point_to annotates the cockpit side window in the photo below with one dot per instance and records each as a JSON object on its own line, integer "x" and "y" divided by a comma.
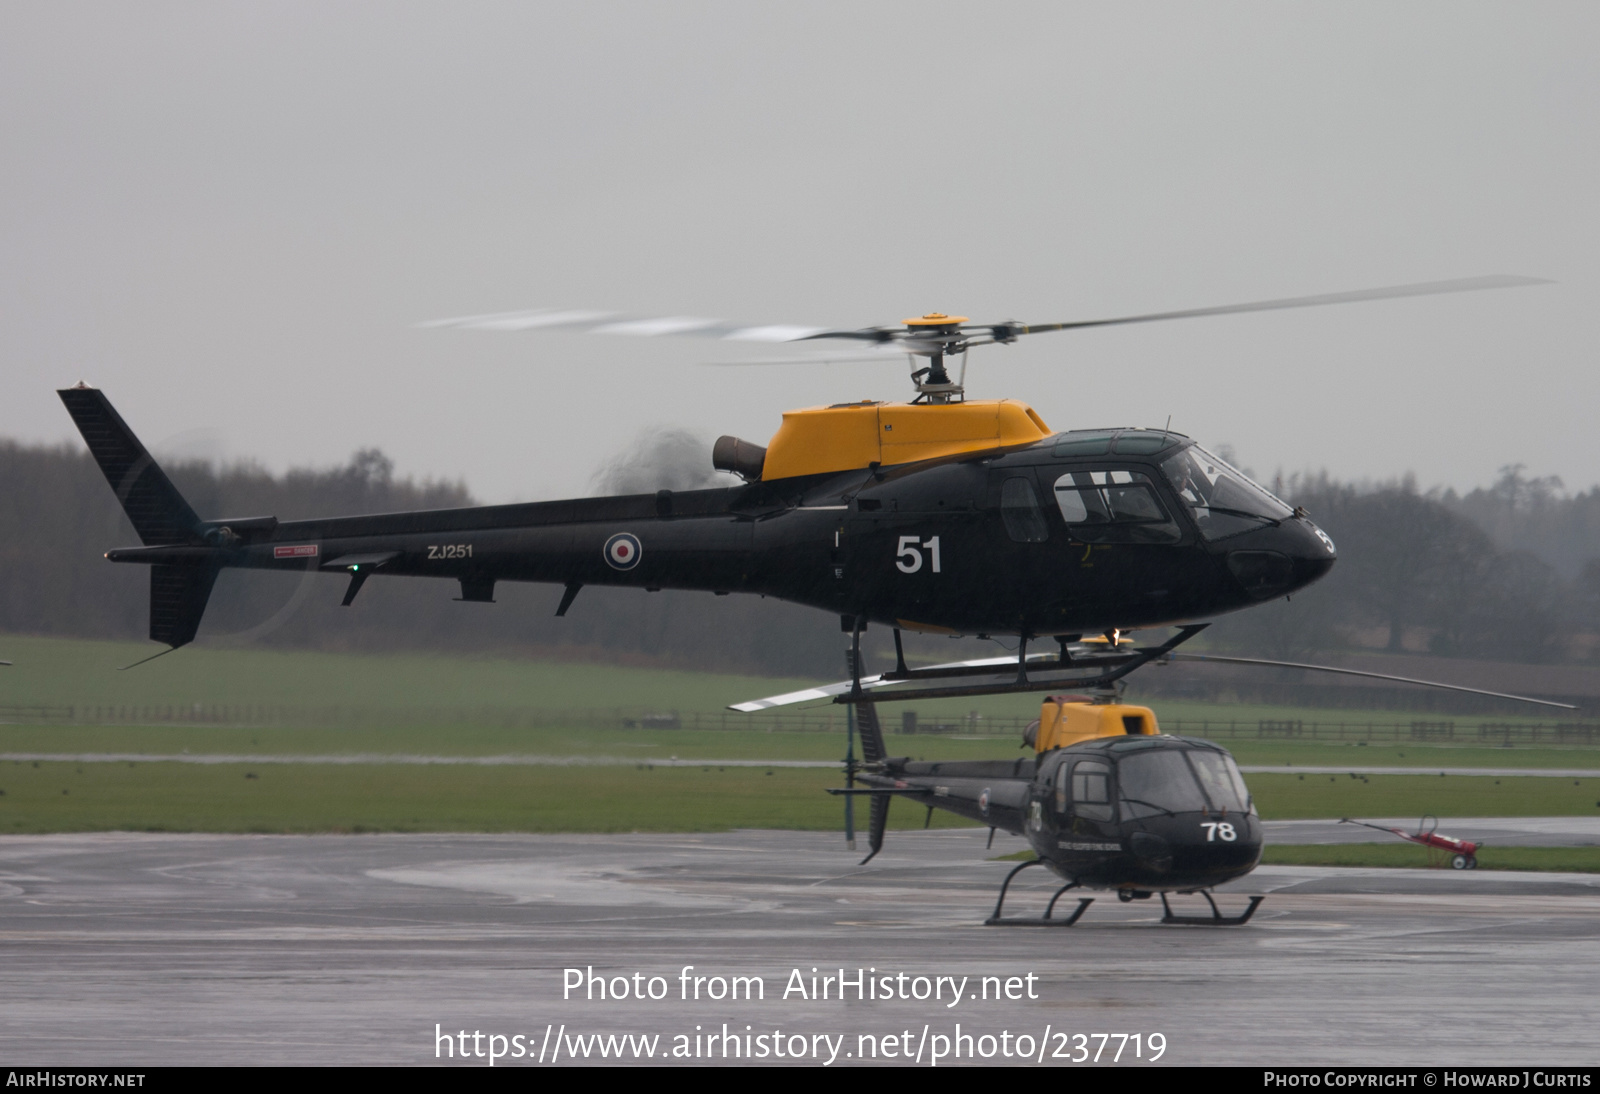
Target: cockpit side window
{"x": 1019, "y": 508}
{"x": 1222, "y": 499}
{"x": 1113, "y": 506}
{"x": 1091, "y": 790}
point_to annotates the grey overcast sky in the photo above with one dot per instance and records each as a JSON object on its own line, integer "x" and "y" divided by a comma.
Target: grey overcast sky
{"x": 231, "y": 215}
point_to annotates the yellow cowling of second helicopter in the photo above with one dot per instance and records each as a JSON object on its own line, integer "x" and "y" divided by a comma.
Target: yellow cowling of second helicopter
{"x": 857, "y": 435}
{"x": 1067, "y": 723}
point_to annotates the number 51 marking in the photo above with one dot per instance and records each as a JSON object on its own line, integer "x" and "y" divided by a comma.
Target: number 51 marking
{"x": 908, "y": 559}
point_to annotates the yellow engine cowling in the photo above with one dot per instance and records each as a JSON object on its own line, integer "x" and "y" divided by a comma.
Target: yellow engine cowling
{"x": 1066, "y": 720}
{"x": 855, "y": 435}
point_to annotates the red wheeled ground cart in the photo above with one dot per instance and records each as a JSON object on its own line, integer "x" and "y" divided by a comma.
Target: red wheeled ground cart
{"x": 1459, "y": 853}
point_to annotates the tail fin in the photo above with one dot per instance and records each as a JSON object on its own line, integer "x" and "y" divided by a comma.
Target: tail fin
{"x": 880, "y": 821}
{"x": 873, "y": 750}
{"x": 158, "y": 512}
{"x": 178, "y": 596}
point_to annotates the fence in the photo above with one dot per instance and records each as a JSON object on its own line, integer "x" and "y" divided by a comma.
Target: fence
{"x": 827, "y": 720}
{"x": 1506, "y": 734}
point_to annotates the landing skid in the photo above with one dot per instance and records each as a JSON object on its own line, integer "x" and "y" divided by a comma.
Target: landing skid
{"x": 995, "y": 920}
{"x": 1216, "y": 919}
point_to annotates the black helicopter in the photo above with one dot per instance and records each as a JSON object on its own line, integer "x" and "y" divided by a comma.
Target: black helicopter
{"x": 1105, "y": 800}
{"x": 941, "y": 515}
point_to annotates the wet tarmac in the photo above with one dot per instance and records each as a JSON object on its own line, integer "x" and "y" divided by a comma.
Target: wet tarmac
{"x": 131, "y": 950}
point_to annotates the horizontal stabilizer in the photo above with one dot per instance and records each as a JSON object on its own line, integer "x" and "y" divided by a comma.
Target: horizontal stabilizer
{"x": 156, "y": 509}
{"x": 370, "y": 561}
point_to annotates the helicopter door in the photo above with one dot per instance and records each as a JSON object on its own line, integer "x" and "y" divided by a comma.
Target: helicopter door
{"x": 1020, "y": 510}
{"x": 1019, "y": 542}
{"x": 1090, "y": 791}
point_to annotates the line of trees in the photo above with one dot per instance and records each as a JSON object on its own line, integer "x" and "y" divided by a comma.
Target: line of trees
{"x": 1507, "y": 572}
{"x": 58, "y": 517}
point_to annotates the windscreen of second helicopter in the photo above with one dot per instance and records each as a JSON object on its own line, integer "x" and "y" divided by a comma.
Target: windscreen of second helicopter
{"x": 1157, "y": 782}
{"x": 1165, "y": 781}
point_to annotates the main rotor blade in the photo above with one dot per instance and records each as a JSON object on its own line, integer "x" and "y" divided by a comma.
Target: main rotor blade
{"x": 1357, "y": 672}
{"x": 1001, "y": 666}
{"x": 1421, "y": 288}
{"x": 605, "y": 322}
{"x": 901, "y": 340}
{"x": 825, "y": 691}
{"x": 844, "y": 356}
{"x": 828, "y": 691}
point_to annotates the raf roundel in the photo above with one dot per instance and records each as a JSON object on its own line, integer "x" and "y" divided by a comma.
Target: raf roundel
{"x": 622, "y": 551}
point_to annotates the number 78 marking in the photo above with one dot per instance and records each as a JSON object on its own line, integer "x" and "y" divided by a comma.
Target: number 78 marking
{"x": 908, "y": 558}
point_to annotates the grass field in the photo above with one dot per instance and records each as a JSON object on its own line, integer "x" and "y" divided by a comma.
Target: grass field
{"x": 390, "y": 797}
{"x": 85, "y": 673}
{"x": 1293, "y": 797}
{"x": 649, "y": 744}
{"x": 170, "y": 797}
{"x": 60, "y": 671}
{"x": 471, "y": 706}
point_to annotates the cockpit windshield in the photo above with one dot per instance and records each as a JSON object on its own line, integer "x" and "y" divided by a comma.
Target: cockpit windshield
{"x": 1157, "y": 783}
{"x": 1222, "y": 498}
{"x": 1161, "y": 782}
